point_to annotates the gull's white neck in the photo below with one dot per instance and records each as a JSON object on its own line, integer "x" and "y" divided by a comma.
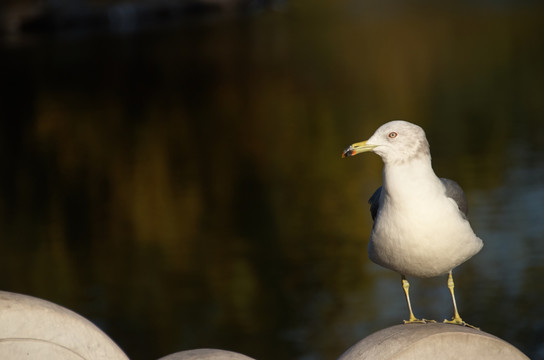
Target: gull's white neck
{"x": 411, "y": 179}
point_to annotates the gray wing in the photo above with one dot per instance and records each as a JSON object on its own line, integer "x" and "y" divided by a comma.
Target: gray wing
{"x": 374, "y": 202}
{"x": 454, "y": 191}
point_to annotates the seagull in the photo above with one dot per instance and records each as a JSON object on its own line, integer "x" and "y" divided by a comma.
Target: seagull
{"x": 420, "y": 220}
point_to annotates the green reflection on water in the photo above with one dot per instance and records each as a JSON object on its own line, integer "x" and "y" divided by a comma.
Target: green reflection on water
{"x": 184, "y": 188}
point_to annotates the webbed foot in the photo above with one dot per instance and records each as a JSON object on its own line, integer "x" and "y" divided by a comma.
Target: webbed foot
{"x": 418, "y": 321}
{"x": 459, "y": 321}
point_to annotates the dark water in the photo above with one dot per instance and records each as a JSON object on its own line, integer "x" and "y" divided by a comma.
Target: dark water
{"x": 183, "y": 187}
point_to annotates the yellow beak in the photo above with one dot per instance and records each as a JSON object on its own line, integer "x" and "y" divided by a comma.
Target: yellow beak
{"x": 357, "y": 148}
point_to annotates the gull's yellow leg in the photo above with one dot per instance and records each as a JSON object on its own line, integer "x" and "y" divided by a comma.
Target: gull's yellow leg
{"x": 456, "y": 318}
{"x": 413, "y": 319}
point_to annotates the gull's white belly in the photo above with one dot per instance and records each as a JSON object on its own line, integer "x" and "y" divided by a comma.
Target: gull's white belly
{"x": 422, "y": 242}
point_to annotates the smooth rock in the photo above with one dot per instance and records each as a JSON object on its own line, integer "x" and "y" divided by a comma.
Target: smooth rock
{"x": 206, "y": 354}
{"x": 432, "y": 341}
{"x": 32, "y": 328}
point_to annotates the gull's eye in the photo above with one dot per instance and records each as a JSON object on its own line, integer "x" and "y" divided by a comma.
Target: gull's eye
{"x": 392, "y": 135}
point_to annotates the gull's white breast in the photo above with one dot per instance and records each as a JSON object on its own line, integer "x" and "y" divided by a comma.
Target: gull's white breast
{"x": 421, "y": 232}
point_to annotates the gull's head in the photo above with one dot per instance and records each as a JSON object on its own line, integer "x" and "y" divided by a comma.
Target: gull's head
{"x": 396, "y": 142}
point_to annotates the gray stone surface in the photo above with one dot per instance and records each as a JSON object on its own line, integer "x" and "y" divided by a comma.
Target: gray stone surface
{"x": 206, "y": 354}
{"x": 32, "y": 328}
{"x": 432, "y": 341}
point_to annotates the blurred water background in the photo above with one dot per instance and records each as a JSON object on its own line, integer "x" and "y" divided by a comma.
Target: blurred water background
{"x": 177, "y": 180}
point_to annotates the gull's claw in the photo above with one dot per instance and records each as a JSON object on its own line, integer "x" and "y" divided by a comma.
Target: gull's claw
{"x": 459, "y": 321}
{"x": 418, "y": 321}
